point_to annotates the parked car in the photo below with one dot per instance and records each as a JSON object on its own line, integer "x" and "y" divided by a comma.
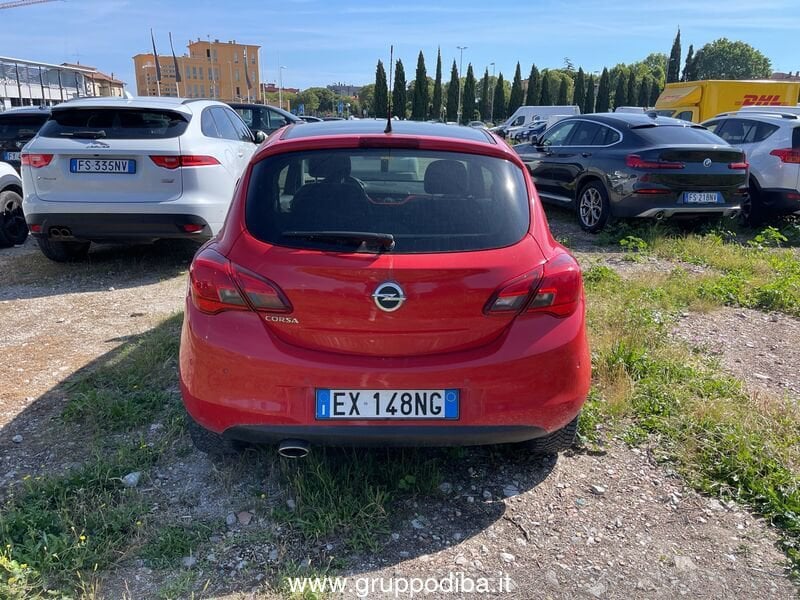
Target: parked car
{"x": 260, "y": 117}
{"x": 535, "y": 128}
{"x": 374, "y": 289}
{"x": 310, "y": 119}
{"x": 118, "y": 170}
{"x": 478, "y": 124}
{"x": 13, "y": 230}
{"x": 635, "y": 165}
{"x": 771, "y": 140}
{"x": 17, "y": 127}
{"x": 525, "y": 115}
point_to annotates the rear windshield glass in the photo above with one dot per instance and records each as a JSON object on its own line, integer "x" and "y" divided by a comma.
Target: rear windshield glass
{"x": 22, "y": 127}
{"x": 675, "y": 134}
{"x": 115, "y": 123}
{"x": 426, "y": 201}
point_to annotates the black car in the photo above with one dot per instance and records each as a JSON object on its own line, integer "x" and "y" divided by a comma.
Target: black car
{"x": 17, "y": 127}
{"x": 635, "y": 165}
{"x": 260, "y": 117}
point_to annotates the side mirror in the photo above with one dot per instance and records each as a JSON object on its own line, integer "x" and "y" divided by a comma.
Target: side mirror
{"x": 534, "y": 140}
{"x": 259, "y": 136}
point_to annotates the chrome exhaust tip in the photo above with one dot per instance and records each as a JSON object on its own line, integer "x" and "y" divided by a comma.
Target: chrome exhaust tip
{"x": 293, "y": 449}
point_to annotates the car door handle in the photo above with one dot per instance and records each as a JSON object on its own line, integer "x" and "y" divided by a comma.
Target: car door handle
{"x": 586, "y": 154}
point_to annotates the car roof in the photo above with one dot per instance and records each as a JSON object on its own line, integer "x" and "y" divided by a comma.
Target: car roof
{"x": 789, "y": 118}
{"x": 256, "y": 105}
{"x": 155, "y": 102}
{"x": 630, "y": 120}
{"x": 27, "y": 110}
{"x": 378, "y": 126}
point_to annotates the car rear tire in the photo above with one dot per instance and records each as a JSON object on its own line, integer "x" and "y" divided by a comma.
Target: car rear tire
{"x": 555, "y": 442}
{"x": 212, "y": 443}
{"x": 63, "y": 251}
{"x": 752, "y": 213}
{"x": 13, "y": 229}
{"x": 592, "y": 207}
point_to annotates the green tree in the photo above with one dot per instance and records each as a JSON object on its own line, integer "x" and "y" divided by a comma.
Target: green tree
{"x": 310, "y": 101}
{"x": 515, "y": 100}
{"x": 366, "y": 98}
{"x": 399, "y": 91}
{"x": 499, "y": 101}
{"x": 545, "y": 98}
{"x": 588, "y": 105}
{"x": 688, "y": 65}
{"x": 726, "y": 59}
{"x": 563, "y": 91}
{"x": 419, "y": 103}
{"x": 644, "y": 92}
{"x": 655, "y": 92}
{"x": 631, "y": 96}
{"x": 621, "y": 93}
{"x": 674, "y": 65}
{"x": 579, "y": 95}
{"x": 534, "y": 91}
{"x": 468, "y": 100}
{"x": 603, "y": 103}
{"x": 436, "y": 104}
{"x": 485, "y": 102}
{"x": 380, "y": 105}
{"x": 452, "y": 94}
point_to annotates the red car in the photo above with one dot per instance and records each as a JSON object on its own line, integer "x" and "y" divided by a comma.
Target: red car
{"x": 373, "y": 288}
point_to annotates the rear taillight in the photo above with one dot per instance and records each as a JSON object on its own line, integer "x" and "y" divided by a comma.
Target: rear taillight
{"x": 634, "y": 161}
{"x": 216, "y": 285}
{"x": 741, "y": 165}
{"x": 186, "y": 160}
{"x": 554, "y": 288}
{"x": 36, "y": 161}
{"x": 787, "y": 155}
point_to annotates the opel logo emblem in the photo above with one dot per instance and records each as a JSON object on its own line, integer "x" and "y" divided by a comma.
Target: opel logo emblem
{"x": 389, "y": 296}
{"x": 707, "y": 163}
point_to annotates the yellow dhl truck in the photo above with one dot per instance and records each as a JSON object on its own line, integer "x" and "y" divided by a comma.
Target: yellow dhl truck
{"x": 697, "y": 101}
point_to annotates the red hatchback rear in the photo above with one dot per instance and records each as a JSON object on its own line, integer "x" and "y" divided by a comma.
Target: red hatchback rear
{"x": 385, "y": 289}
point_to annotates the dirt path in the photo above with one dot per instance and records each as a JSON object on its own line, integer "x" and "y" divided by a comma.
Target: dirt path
{"x": 615, "y": 525}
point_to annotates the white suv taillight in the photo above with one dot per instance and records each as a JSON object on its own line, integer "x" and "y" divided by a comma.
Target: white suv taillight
{"x": 787, "y": 155}
{"x": 185, "y": 160}
{"x": 35, "y": 161}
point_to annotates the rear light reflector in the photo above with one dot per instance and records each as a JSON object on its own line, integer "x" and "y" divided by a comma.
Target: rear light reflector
{"x": 192, "y": 228}
{"x": 652, "y": 191}
{"x": 36, "y": 228}
{"x": 634, "y": 161}
{"x": 787, "y": 155}
{"x": 792, "y": 196}
{"x": 216, "y": 285}
{"x": 742, "y": 191}
{"x": 514, "y": 295}
{"x": 186, "y": 160}
{"x": 738, "y": 166}
{"x": 561, "y": 289}
{"x": 36, "y": 161}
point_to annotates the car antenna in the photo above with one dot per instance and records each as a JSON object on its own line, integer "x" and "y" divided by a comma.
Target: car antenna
{"x": 389, "y": 99}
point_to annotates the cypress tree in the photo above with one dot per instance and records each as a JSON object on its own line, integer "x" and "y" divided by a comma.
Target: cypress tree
{"x": 419, "y": 104}
{"x": 631, "y": 96}
{"x": 579, "y": 95}
{"x": 545, "y": 99}
{"x": 621, "y": 94}
{"x": 515, "y": 100}
{"x": 399, "y": 92}
{"x": 563, "y": 92}
{"x": 436, "y": 104}
{"x": 452, "y": 94}
{"x": 644, "y": 92}
{"x": 499, "y": 100}
{"x": 588, "y": 105}
{"x": 687, "y": 66}
{"x": 534, "y": 87}
{"x": 655, "y": 92}
{"x": 674, "y": 63}
{"x": 483, "y": 105}
{"x": 468, "y": 100}
{"x": 381, "y": 101}
{"x": 603, "y": 93}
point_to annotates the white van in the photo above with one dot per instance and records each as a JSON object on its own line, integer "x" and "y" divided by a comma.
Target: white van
{"x": 630, "y": 109}
{"x": 525, "y": 115}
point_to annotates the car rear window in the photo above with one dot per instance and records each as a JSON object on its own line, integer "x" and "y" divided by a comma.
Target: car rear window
{"x": 796, "y": 137}
{"x": 20, "y": 127}
{"x": 427, "y": 201}
{"x": 115, "y": 123}
{"x": 677, "y": 134}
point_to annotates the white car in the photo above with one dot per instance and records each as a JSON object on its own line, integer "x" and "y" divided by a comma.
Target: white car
{"x": 132, "y": 169}
{"x": 771, "y": 139}
{"x": 13, "y": 230}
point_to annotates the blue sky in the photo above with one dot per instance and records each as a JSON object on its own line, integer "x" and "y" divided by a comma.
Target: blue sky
{"x": 322, "y": 42}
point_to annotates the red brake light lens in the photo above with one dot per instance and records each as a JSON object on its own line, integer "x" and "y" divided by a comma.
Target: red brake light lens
{"x": 186, "y": 160}
{"x": 561, "y": 289}
{"x": 634, "y": 161}
{"x": 787, "y": 155}
{"x": 263, "y": 295}
{"x": 514, "y": 295}
{"x": 36, "y": 161}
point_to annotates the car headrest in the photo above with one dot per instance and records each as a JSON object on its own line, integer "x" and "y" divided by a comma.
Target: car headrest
{"x": 446, "y": 177}
{"x": 332, "y": 166}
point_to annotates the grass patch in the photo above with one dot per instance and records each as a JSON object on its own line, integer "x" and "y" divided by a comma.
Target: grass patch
{"x": 171, "y": 543}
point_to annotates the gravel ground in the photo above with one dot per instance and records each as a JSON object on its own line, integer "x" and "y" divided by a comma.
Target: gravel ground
{"x": 610, "y": 525}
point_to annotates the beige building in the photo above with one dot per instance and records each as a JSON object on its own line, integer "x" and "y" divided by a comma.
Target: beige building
{"x": 98, "y": 83}
{"x": 211, "y": 69}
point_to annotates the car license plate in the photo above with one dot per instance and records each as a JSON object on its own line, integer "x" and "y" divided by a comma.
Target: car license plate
{"x": 102, "y": 165}
{"x": 11, "y": 156}
{"x": 701, "y": 197}
{"x": 387, "y": 404}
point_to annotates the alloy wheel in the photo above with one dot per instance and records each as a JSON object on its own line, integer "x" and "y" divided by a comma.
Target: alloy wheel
{"x": 590, "y": 207}
{"x": 12, "y": 221}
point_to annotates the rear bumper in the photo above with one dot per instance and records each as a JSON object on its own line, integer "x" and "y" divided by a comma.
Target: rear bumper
{"x": 116, "y": 227}
{"x": 782, "y": 201}
{"x": 671, "y": 205}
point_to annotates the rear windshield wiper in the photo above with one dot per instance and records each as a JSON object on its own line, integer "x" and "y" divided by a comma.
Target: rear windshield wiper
{"x": 89, "y": 135}
{"x": 384, "y": 241}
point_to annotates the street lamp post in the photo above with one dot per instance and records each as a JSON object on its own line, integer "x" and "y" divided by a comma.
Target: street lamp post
{"x": 491, "y": 102}
{"x": 280, "y": 86}
{"x": 460, "y": 69}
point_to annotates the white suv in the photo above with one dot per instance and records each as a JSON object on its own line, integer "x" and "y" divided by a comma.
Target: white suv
{"x": 771, "y": 139}
{"x": 119, "y": 170}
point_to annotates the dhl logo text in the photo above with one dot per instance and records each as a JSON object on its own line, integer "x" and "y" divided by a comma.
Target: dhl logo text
{"x": 763, "y": 100}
